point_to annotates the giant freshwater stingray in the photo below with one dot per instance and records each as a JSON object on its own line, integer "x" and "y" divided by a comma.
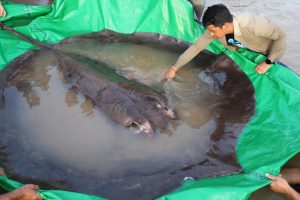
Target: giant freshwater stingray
{"x": 127, "y": 104}
{"x": 233, "y": 111}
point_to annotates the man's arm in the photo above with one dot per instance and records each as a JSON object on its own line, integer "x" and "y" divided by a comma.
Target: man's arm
{"x": 263, "y": 27}
{"x": 190, "y": 53}
{"x": 193, "y": 50}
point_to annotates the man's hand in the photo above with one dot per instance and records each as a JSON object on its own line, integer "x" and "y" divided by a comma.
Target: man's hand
{"x": 26, "y": 192}
{"x": 280, "y": 185}
{"x": 2, "y": 11}
{"x": 170, "y": 74}
{"x": 262, "y": 67}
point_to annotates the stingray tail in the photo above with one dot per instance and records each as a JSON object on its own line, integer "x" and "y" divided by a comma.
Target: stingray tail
{"x": 25, "y": 37}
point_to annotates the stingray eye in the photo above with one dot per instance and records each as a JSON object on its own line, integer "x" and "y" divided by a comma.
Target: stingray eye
{"x": 140, "y": 121}
{"x": 68, "y": 75}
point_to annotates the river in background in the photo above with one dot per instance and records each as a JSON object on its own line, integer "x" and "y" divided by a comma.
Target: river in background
{"x": 286, "y": 15}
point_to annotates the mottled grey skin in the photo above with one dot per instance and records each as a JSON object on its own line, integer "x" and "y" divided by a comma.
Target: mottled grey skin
{"x": 123, "y": 103}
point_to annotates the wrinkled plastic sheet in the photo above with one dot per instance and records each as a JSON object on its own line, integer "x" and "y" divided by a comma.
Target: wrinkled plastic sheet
{"x": 268, "y": 141}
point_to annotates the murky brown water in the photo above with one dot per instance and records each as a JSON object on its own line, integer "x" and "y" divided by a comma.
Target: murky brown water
{"x": 52, "y": 134}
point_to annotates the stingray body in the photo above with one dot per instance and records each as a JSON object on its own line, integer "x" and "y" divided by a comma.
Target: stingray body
{"x": 199, "y": 148}
{"x": 123, "y": 103}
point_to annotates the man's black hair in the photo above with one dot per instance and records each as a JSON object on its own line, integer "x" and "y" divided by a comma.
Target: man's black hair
{"x": 216, "y": 15}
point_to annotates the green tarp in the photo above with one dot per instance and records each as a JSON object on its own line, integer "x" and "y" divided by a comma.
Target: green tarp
{"x": 268, "y": 141}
